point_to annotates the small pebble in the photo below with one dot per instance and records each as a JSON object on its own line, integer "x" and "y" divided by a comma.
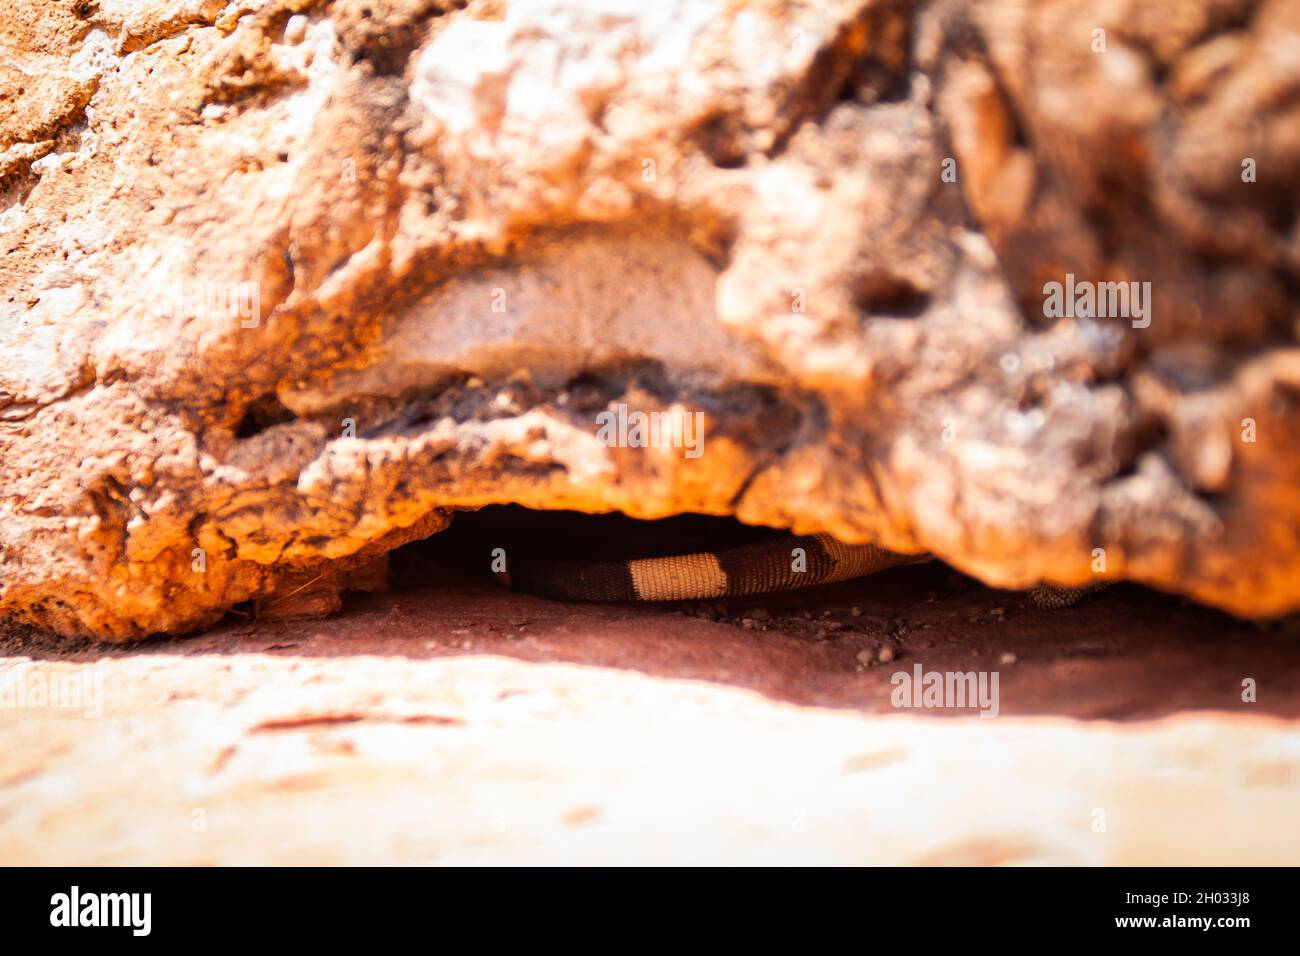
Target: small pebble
{"x": 759, "y": 614}
{"x": 747, "y": 623}
{"x": 1007, "y": 658}
{"x": 865, "y": 657}
{"x": 856, "y": 612}
{"x": 885, "y": 655}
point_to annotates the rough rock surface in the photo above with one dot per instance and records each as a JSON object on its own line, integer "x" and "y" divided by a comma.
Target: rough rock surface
{"x": 453, "y": 724}
{"x": 289, "y": 282}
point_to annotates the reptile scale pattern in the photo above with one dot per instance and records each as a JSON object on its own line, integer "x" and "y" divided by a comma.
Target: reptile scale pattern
{"x": 781, "y": 565}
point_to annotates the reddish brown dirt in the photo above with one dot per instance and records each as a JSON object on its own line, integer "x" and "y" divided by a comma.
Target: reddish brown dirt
{"x": 1126, "y": 654}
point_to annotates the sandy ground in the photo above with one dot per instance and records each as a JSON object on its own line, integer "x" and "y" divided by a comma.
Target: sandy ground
{"x": 464, "y": 724}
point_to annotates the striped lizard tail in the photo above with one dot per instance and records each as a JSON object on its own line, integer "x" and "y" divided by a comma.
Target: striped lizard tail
{"x": 782, "y": 564}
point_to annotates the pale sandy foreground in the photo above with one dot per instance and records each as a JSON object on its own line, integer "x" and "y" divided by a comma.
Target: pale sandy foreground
{"x": 268, "y": 758}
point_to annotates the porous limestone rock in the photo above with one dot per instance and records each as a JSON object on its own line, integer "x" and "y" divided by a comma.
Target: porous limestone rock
{"x": 286, "y": 283}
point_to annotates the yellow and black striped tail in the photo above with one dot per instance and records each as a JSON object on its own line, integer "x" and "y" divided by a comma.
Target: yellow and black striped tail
{"x": 780, "y": 565}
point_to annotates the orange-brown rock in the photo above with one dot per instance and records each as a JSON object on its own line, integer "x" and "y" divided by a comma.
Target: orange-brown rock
{"x": 287, "y": 283}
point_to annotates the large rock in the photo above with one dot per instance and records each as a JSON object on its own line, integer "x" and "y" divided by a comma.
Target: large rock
{"x": 467, "y": 725}
{"x": 287, "y": 283}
